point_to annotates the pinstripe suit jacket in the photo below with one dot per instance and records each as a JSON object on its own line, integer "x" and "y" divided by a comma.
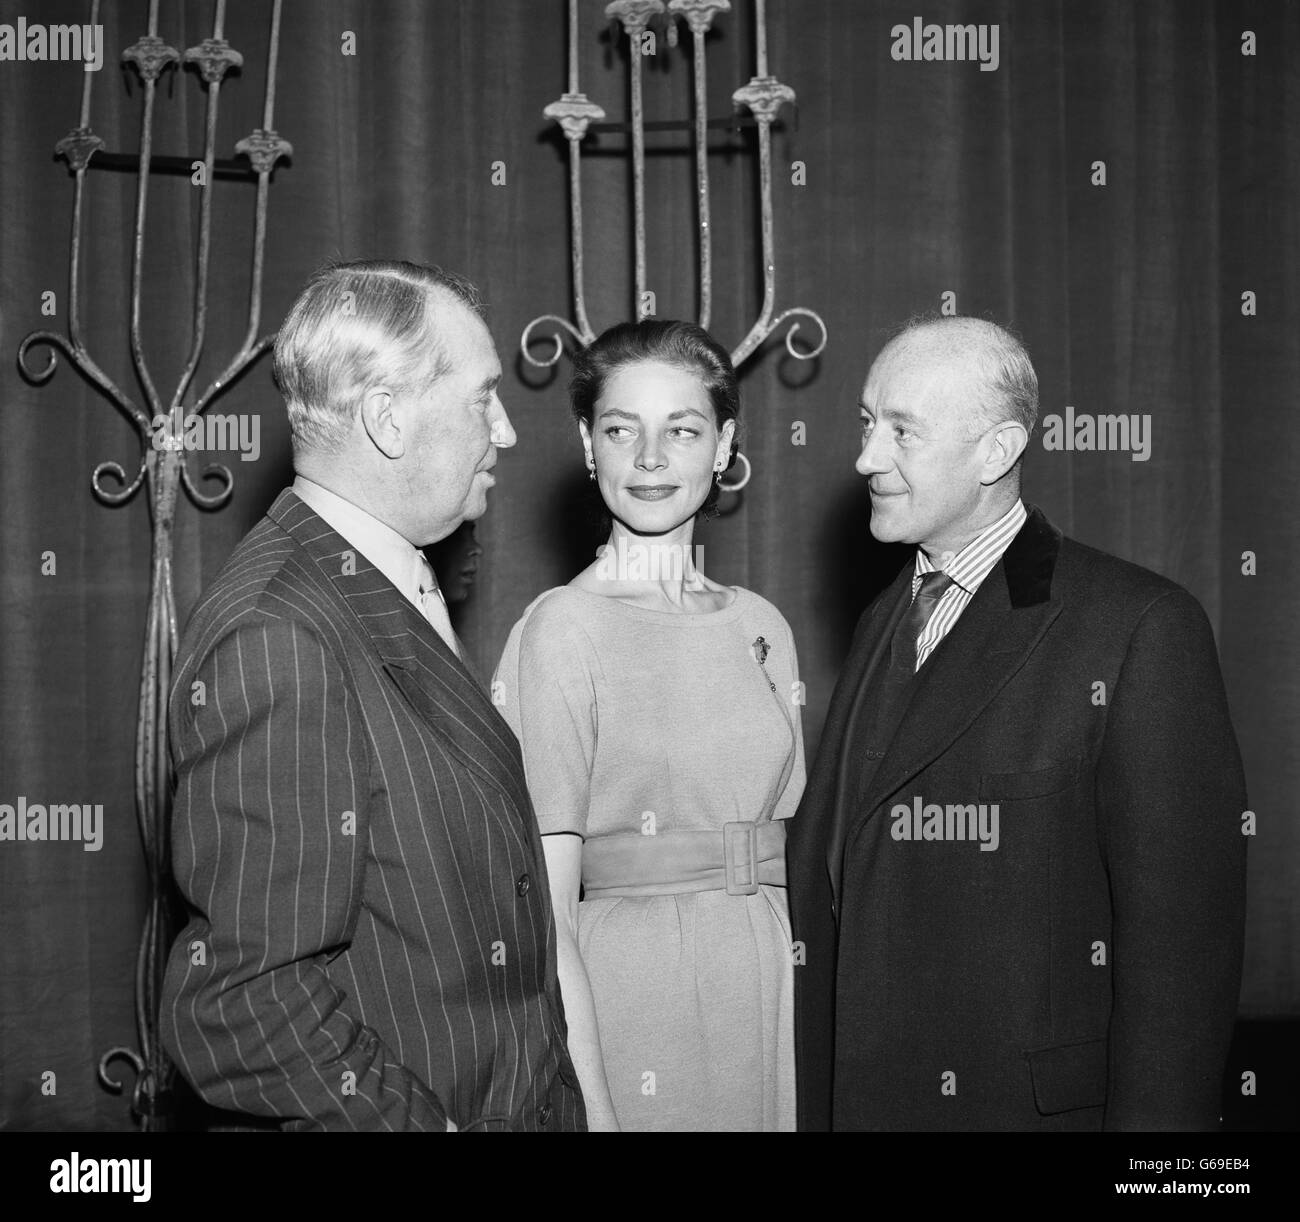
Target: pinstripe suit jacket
{"x": 371, "y": 941}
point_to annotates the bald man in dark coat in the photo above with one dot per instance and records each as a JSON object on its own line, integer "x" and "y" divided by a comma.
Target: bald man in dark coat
{"x": 1018, "y": 871}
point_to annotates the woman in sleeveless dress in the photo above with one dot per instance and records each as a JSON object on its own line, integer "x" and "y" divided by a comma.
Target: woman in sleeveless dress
{"x": 659, "y": 714}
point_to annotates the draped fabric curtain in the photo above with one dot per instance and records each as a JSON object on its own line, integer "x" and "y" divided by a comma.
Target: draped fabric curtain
{"x": 919, "y": 179}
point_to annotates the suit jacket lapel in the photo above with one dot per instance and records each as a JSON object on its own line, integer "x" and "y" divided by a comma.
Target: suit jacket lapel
{"x": 992, "y": 640}
{"x": 864, "y": 663}
{"x": 824, "y": 777}
{"x": 436, "y": 683}
{"x": 467, "y": 662}
{"x": 465, "y": 718}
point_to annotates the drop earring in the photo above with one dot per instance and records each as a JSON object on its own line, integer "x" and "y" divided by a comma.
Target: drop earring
{"x": 591, "y": 467}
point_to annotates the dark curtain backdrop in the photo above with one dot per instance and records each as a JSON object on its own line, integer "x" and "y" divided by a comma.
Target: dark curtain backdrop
{"x": 922, "y": 178}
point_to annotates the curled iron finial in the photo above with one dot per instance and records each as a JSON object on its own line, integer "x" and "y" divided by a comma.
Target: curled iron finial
{"x": 145, "y": 1092}
{"x": 527, "y": 339}
{"x": 214, "y": 470}
{"x": 53, "y": 340}
{"x": 801, "y": 312}
{"x": 113, "y": 1084}
{"x": 127, "y": 491}
{"x": 81, "y": 359}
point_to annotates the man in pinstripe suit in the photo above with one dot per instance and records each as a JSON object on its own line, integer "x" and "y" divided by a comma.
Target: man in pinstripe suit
{"x": 371, "y": 944}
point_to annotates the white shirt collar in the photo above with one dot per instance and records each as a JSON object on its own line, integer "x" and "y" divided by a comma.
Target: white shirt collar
{"x": 393, "y": 555}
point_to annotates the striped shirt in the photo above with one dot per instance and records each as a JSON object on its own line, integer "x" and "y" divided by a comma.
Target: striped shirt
{"x": 967, "y": 569}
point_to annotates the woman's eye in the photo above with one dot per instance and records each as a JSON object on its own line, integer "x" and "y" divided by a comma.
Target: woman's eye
{"x": 616, "y": 428}
{"x": 687, "y": 432}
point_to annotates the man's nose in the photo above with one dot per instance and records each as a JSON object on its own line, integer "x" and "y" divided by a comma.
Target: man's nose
{"x": 873, "y": 459}
{"x": 503, "y": 434}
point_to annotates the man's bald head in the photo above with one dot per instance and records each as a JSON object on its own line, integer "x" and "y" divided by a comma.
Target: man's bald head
{"x": 946, "y": 414}
{"x": 983, "y": 366}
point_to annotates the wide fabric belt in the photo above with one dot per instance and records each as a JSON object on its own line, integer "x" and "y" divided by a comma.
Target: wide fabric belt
{"x": 739, "y": 859}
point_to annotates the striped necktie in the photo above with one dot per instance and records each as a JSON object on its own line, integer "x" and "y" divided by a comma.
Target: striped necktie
{"x": 434, "y": 606}
{"x": 910, "y": 627}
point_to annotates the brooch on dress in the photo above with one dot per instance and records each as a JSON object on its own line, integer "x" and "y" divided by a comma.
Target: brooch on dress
{"x": 761, "y": 649}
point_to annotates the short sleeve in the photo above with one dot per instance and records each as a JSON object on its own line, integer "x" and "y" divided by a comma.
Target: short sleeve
{"x": 544, "y": 689}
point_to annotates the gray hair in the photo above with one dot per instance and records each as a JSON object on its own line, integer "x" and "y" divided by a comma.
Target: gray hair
{"x": 355, "y": 325}
{"x": 1006, "y": 384}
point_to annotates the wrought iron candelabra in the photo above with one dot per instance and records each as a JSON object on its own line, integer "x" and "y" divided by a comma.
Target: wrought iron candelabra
{"x": 763, "y": 96}
{"x": 162, "y": 469}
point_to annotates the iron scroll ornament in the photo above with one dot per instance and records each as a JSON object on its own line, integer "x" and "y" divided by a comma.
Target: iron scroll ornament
{"x": 763, "y": 97}
{"x": 162, "y": 469}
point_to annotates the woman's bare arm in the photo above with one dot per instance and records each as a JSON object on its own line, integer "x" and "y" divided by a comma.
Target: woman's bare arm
{"x": 563, "y": 852}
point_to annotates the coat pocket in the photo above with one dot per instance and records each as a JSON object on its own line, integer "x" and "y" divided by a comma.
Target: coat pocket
{"x": 1066, "y": 1077}
{"x": 1036, "y": 783}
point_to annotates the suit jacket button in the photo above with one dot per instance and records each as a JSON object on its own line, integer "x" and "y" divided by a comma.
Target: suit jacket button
{"x": 521, "y": 889}
{"x": 544, "y": 1114}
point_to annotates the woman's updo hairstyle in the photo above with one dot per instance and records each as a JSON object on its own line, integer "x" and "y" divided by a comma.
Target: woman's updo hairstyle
{"x": 670, "y": 342}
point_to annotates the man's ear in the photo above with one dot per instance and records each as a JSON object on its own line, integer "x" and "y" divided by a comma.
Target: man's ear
{"x": 380, "y": 423}
{"x": 1003, "y": 447}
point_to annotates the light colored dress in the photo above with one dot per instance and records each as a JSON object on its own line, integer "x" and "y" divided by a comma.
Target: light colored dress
{"x": 646, "y": 732}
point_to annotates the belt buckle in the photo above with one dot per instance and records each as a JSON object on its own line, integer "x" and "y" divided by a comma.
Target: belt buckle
{"x": 740, "y": 855}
